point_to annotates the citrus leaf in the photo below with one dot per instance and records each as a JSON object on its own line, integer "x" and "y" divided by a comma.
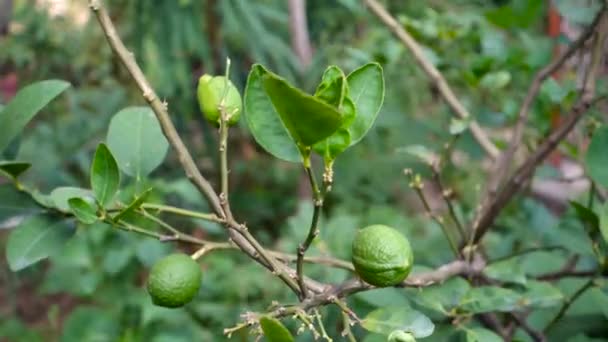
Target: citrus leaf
{"x": 586, "y": 215}
{"x": 490, "y": 298}
{"x": 274, "y": 330}
{"x": 16, "y": 203}
{"x": 25, "y": 105}
{"x": 83, "y": 210}
{"x": 366, "y": 88}
{"x": 482, "y": 335}
{"x": 542, "y": 295}
{"x": 603, "y": 221}
{"x": 333, "y": 87}
{"x": 386, "y": 320}
{"x": 105, "y": 176}
{"x": 59, "y": 196}
{"x": 13, "y": 168}
{"x": 137, "y": 141}
{"x": 441, "y": 297}
{"x": 307, "y": 119}
{"x": 36, "y": 239}
{"x": 263, "y": 120}
{"x": 597, "y": 158}
{"x": 136, "y": 203}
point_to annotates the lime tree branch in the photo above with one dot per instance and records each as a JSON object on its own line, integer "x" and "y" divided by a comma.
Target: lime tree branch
{"x": 489, "y": 212}
{"x": 238, "y": 232}
{"x": 434, "y": 74}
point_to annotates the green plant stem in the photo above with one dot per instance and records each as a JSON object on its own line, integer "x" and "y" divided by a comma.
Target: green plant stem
{"x": 182, "y": 212}
{"x": 313, "y": 231}
{"x": 133, "y": 228}
{"x": 346, "y": 331}
{"x": 527, "y": 251}
{"x": 568, "y": 303}
{"x": 176, "y": 233}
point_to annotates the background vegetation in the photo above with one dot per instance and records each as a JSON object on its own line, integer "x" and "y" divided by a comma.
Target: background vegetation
{"x": 489, "y": 51}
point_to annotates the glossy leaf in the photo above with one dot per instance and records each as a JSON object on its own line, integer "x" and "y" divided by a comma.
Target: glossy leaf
{"x": 307, "y": 119}
{"x": 59, "y": 196}
{"x": 366, "y": 88}
{"x": 36, "y": 239}
{"x": 105, "y": 176}
{"x": 274, "y": 330}
{"x": 13, "y": 169}
{"x": 333, "y": 87}
{"x": 83, "y": 210}
{"x": 597, "y": 157}
{"x": 386, "y": 320}
{"x": 135, "y": 204}
{"x": 264, "y": 122}
{"x": 25, "y": 105}
{"x": 16, "y": 203}
{"x": 137, "y": 141}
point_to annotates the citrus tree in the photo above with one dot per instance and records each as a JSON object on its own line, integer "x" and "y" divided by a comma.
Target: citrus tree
{"x": 489, "y": 291}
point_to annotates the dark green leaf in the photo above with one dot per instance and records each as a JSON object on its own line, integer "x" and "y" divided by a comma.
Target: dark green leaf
{"x": 105, "y": 176}
{"x": 307, "y": 119}
{"x": 597, "y": 158}
{"x": 586, "y": 215}
{"x": 137, "y": 141}
{"x": 603, "y": 218}
{"x": 387, "y": 320}
{"x": 13, "y": 168}
{"x": 36, "y": 239}
{"x": 274, "y": 330}
{"x": 59, "y": 196}
{"x": 16, "y": 203}
{"x": 135, "y": 204}
{"x": 542, "y": 295}
{"x": 491, "y": 298}
{"x": 366, "y": 88}
{"x": 83, "y": 210}
{"x": 264, "y": 122}
{"x": 22, "y": 108}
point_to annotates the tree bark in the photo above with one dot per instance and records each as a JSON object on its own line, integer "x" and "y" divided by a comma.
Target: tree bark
{"x": 298, "y": 26}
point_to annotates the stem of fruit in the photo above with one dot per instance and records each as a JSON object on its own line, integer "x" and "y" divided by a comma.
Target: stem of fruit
{"x": 313, "y": 231}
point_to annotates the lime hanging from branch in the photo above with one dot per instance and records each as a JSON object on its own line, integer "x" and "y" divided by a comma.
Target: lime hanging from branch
{"x": 210, "y": 93}
{"x": 174, "y": 281}
{"x": 382, "y": 256}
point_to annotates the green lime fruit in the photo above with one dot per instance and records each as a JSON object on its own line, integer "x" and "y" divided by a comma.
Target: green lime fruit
{"x": 211, "y": 90}
{"x": 174, "y": 281}
{"x": 381, "y": 255}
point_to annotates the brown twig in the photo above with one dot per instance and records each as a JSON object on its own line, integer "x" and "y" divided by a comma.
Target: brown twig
{"x": 489, "y": 212}
{"x": 520, "y": 320}
{"x": 436, "y": 77}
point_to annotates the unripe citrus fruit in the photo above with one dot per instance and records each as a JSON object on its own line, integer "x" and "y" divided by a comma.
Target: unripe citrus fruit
{"x": 381, "y": 255}
{"x": 174, "y": 281}
{"x": 211, "y": 90}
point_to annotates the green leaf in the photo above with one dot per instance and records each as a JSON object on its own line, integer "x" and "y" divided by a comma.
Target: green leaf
{"x": 59, "y": 196}
{"x": 27, "y": 103}
{"x": 366, "y": 88}
{"x": 333, "y": 87}
{"x": 420, "y": 152}
{"x": 137, "y": 141}
{"x": 13, "y": 169}
{"x": 105, "y": 176}
{"x": 386, "y": 320}
{"x": 542, "y": 295}
{"x": 482, "y": 335}
{"x": 135, "y": 204}
{"x": 441, "y": 297}
{"x": 495, "y": 80}
{"x": 264, "y": 122}
{"x": 458, "y": 126}
{"x": 16, "y": 203}
{"x": 603, "y": 219}
{"x": 510, "y": 271}
{"x": 274, "y": 330}
{"x": 597, "y": 158}
{"x": 307, "y": 119}
{"x": 490, "y": 298}
{"x": 36, "y": 239}
{"x": 83, "y": 210}
{"x": 586, "y": 215}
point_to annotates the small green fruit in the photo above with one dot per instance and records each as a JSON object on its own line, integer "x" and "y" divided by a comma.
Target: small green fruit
{"x": 174, "y": 281}
{"x": 381, "y": 255}
{"x": 211, "y": 90}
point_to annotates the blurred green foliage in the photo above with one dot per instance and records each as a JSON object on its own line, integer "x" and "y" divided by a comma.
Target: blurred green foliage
{"x": 93, "y": 289}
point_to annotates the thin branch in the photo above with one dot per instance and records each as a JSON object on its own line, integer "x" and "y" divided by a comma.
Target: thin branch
{"x": 568, "y": 303}
{"x": 313, "y": 231}
{"x": 527, "y": 251}
{"x": 521, "y": 176}
{"x": 434, "y": 74}
{"x": 161, "y": 208}
{"x": 502, "y": 166}
{"x": 536, "y": 335}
